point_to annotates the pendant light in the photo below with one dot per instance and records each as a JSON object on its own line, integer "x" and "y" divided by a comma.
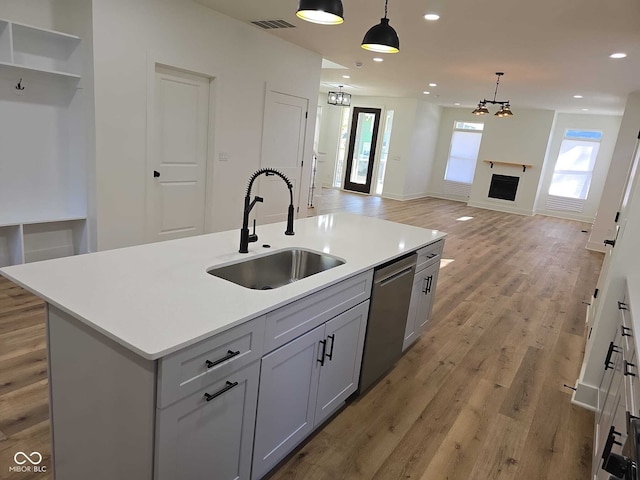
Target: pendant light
{"x": 324, "y": 12}
{"x": 382, "y": 38}
{"x": 505, "y": 107}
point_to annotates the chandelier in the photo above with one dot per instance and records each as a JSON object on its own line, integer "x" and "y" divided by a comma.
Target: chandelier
{"x": 505, "y": 107}
{"x": 339, "y": 98}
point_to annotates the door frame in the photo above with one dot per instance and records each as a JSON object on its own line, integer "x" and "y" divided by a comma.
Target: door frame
{"x": 155, "y": 59}
{"x": 355, "y": 187}
{"x": 303, "y": 180}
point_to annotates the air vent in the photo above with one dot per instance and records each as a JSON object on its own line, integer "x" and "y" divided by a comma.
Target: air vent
{"x": 271, "y": 24}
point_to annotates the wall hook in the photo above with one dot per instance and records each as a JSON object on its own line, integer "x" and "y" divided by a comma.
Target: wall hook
{"x": 19, "y": 85}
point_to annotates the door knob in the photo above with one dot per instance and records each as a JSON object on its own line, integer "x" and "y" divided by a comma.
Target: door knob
{"x": 156, "y": 174}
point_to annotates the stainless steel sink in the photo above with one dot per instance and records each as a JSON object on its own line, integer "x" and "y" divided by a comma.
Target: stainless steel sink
{"x": 276, "y": 269}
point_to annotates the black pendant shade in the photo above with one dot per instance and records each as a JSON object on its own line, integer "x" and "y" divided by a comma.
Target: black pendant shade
{"x": 382, "y": 38}
{"x": 324, "y": 12}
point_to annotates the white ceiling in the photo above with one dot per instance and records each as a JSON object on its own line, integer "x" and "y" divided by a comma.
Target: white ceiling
{"x": 549, "y": 50}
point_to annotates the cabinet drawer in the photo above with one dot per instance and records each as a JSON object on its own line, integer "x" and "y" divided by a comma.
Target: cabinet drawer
{"x": 301, "y": 316}
{"x": 429, "y": 255}
{"x": 195, "y": 367}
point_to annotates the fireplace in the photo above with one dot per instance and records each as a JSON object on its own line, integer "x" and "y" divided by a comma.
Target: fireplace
{"x": 503, "y": 187}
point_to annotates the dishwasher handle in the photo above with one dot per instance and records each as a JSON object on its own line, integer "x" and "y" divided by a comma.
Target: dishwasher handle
{"x": 390, "y": 278}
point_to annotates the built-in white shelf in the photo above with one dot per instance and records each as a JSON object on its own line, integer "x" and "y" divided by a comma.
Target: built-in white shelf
{"x": 28, "y": 51}
{"x": 41, "y": 238}
{"x": 38, "y": 230}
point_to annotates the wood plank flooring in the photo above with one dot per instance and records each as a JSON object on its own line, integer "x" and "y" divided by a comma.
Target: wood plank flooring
{"x": 479, "y": 396}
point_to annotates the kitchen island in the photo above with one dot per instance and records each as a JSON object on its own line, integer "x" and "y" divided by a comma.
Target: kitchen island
{"x": 141, "y": 339}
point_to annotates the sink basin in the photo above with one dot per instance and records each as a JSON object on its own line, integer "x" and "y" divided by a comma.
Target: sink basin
{"x": 276, "y": 269}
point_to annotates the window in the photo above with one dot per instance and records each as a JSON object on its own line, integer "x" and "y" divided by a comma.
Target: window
{"x": 574, "y": 167}
{"x": 463, "y": 154}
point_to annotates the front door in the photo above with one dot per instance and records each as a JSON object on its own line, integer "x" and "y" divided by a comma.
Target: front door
{"x": 362, "y": 149}
{"x": 283, "y": 131}
{"x": 177, "y": 159}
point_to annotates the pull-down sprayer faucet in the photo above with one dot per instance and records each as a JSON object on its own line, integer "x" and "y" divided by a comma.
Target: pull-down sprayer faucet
{"x": 245, "y": 237}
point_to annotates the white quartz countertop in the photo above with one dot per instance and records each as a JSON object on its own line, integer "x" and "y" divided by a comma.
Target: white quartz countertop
{"x": 157, "y": 298}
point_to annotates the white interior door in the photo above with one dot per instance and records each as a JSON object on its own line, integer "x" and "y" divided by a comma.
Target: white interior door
{"x": 177, "y": 159}
{"x": 283, "y": 131}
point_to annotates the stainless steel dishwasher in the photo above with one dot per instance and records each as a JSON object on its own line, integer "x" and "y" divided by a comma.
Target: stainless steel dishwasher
{"x": 388, "y": 311}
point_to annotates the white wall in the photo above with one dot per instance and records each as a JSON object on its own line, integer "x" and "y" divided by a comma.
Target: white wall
{"x": 619, "y": 261}
{"x": 128, "y": 38}
{"x": 521, "y": 139}
{"x": 411, "y": 146}
{"x": 422, "y": 150}
{"x": 609, "y": 126}
{"x": 604, "y": 225}
{"x": 329, "y": 141}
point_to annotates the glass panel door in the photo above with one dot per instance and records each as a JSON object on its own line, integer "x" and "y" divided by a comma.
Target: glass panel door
{"x": 362, "y": 149}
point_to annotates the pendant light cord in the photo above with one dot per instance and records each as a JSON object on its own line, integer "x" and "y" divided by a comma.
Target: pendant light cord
{"x": 385, "y": 8}
{"x": 495, "y": 94}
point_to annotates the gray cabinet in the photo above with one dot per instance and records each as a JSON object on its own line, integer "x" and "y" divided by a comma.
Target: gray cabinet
{"x": 303, "y": 382}
{"x": 423, "y": 292}
{"x": 340, "y": 373}
{"x": 208, "y": 435}
{"x": 288, "y": 392}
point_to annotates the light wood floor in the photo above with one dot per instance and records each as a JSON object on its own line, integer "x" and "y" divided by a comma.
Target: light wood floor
{"x": 479, "y": 396}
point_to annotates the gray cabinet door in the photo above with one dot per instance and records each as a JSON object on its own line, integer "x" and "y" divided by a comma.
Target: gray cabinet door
{"x": 343, "y": 357}
{"x": 425, "y": 304}
{"x": 287, "y": 404}
{"x": 198, "y": 439}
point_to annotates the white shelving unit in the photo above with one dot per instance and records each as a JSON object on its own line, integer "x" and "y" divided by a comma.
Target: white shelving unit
{"x": 28, "y": 50}
{"x": 42, "y": 180}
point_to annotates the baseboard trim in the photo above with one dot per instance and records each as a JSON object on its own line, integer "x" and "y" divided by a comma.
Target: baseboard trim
{"x": 453, "y": 198}
{"x": 501, "y": 208}
{"x": 596, "y": 247}
{"x": 403, "y": 198}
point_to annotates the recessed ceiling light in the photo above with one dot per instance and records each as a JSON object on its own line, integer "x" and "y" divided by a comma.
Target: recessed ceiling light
{"x": 378, "y": 59}
{"x": 432, "y": 16}
{"x": 346, "y": 76}
{"x": 618, "y": 55}
{"x": 578, "y": 96}
{"x": 426, "y": 93}
{"x": 456, "y": 103}
{"x": 433, "y": 84}
{"x": 585, "y": 109}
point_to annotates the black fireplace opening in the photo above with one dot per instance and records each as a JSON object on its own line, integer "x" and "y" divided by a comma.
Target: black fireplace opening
{"x": 503, "y": 187}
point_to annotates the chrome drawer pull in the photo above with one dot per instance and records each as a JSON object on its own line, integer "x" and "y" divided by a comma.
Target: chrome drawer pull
{"x": 230, "y": 354}
{"x": 229, "y": 386}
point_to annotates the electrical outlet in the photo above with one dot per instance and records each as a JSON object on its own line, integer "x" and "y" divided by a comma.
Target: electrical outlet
{"x": 223, "y": 156}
